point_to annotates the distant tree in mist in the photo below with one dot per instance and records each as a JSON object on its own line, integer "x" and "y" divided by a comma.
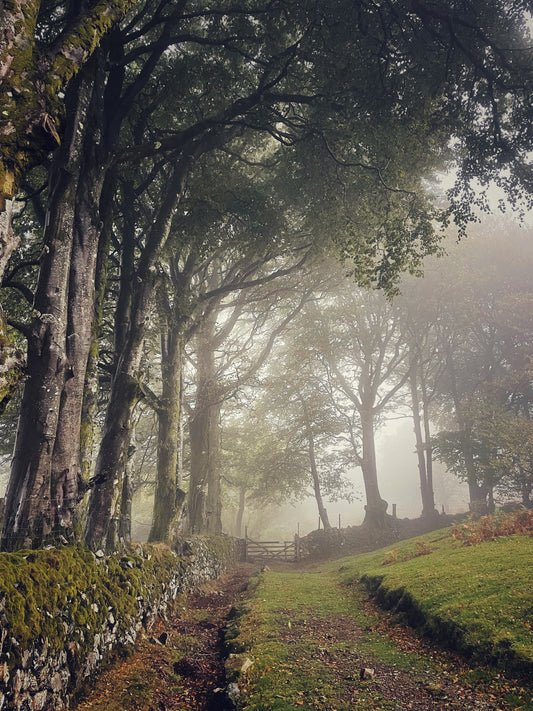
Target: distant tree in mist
{"x": 479, "y": 321}
{"x": 363, "y": 354}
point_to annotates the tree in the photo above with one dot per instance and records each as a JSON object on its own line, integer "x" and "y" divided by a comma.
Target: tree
{"x": 420, "y": 306}
{"x": 484, "y": 345}
{"x": 277, "y": 73}
{"x": 266, "y": 298}
{"x": 37, "y": 66}
{"x": 363, "y": 356}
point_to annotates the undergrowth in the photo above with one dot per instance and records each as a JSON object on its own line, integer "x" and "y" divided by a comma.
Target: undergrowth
{"x": 493, "y": 526}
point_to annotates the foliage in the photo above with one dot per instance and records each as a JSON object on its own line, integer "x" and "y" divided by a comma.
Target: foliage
{"x": 493, "y": 526}
{"x": 500, "y": 447}
{"x": 471, "y": 315}
{"x": 302, "y": 118}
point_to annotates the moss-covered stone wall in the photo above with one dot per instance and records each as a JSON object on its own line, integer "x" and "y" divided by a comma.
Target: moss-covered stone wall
{"x": 63, "y": 612}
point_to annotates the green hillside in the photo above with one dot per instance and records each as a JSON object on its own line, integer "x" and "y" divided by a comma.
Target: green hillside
{"x": 311, "y": 632}
{"x": 476, "y": 598}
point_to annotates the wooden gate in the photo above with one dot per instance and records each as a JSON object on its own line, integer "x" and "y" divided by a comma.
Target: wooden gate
{"x": 262, "y": 551}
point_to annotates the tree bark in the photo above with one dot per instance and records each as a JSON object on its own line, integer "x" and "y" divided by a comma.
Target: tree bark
{"x": 126, "y": 389}
{"x": 204, "y": 503}
{"x": 426, "y": 486}
{"x": 167, "y": 499}
{"x": 376, "y": 507}
{"x": 240, "y": 512}
{"x": 90, "y": 393}
{"x": 316, "y": 482}
{"x": 32, "y": 78}
{"x": 66, "y": 463}
{"x": 322, "y": 512}
{"x": 33, "y": 511}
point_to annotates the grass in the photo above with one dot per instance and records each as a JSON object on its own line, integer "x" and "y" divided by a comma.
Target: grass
{"x": 475, "y": 598}
{"x": 292, "y": 673}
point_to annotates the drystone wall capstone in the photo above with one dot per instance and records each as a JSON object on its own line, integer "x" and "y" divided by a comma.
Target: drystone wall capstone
{"x": 65, "y": 612}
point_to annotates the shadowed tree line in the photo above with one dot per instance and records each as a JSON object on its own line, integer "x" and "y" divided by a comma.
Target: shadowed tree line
{"x": 158, "y": 157}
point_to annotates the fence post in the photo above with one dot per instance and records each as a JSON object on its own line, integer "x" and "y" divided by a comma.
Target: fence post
{"x": 246, "y": 544}
{"x": 297, "y": 545}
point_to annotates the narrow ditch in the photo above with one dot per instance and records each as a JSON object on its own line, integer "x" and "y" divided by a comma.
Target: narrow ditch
{"x": 180, "y": 663}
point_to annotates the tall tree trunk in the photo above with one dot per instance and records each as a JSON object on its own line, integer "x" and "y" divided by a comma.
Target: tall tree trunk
{"x": 11, "y": 359}
{"x": 168, "y": 496}
{"x": 126, "y": 389}
{"x": 427, "y": 439}
{"x": 125, "y": 502}
{"x": 426, "y": 489}
{"x": 204, "y": 503}
{"x": 322, "y": 512}
{"x": 112, "y": 455}
{"x": 66, "y": 463}
{"x": 240, "y": 512}
{"x": 376, "y": 507}
{"x": 90, "y": 394}
{"x": 30, "y": 502}
{"x": 477, "y": 493}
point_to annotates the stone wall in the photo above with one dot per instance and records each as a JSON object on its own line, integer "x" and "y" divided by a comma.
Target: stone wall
{"x": 64, "y": 612}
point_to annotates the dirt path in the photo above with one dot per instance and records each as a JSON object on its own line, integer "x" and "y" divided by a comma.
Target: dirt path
{"x": 179, "y": 664}
{"x": 309, "y": 642}
{"x": 315, "y": 639}
{"x": 362, "y": 678}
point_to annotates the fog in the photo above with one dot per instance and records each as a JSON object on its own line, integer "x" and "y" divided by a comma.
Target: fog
{"x": 399, "y": 479}
{"x": 500, "y": 251}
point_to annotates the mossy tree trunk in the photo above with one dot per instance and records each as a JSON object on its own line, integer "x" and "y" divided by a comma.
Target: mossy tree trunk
{"x": 32, "y": 77}
{"x": 168, "y": 496}
{"x": 175, "y": 308}
{"x": 41, "y": 495}
{"x": 126, "y": 386}
{"x": 90, "y": 393}
{"x": 66, "y": 463}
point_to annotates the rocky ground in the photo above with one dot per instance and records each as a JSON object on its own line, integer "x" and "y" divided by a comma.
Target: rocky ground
{"x": 179, "y": 664}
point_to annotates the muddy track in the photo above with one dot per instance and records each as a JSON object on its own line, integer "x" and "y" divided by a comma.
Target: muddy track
{"x": 179, "y": 664}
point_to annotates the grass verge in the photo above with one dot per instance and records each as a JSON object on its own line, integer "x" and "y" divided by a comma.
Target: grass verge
{"x": 475, "y": 599}
{"x": 309, "y": 632}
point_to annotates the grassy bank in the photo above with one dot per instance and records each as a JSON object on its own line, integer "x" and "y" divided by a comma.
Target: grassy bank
{"x": 310, "y": 632}
{"x": 475, "y": 596}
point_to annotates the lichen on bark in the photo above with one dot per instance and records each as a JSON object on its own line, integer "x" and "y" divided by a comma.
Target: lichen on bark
{"x": 32, "y": 80}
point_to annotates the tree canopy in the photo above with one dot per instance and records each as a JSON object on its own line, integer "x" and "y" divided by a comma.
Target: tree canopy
{"x": 166, "y": 134}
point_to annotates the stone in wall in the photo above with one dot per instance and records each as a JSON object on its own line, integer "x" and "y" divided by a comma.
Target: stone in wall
{"x": 63, "y": 612}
